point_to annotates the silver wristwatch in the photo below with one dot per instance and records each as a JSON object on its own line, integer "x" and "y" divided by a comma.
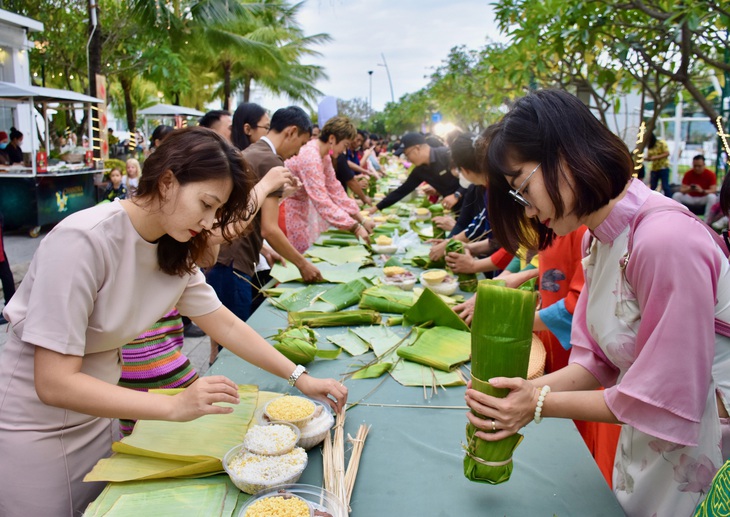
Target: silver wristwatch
{"x": 298, "y": 371}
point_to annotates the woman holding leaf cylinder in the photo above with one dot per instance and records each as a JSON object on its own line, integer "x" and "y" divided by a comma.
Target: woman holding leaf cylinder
{"x": 645, "y": 323}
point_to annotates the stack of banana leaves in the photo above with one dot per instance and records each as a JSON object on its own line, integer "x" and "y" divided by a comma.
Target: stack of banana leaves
{"x": 299, "y": 344}
{"x": 321, "y": 298}
{"x": 386, "y": 298}
{"x": 501, "y": 342}
{"x": 467, "y": 281}
{"x": 442, "y": 348}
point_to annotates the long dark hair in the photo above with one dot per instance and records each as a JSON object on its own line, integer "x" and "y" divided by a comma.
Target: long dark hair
{"x": 196, "y": 154}
{"x": 246, "y": 113}
{"x": 555, "y": 129}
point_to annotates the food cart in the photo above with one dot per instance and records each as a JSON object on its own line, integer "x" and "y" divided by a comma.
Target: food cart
{"x": 37, "y": 194}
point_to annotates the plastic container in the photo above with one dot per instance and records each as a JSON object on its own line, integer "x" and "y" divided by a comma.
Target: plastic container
{"x": 315, "y": 431}
{"x": 286, "y": 495}
{"x": 283, "y": 449}
{"x": 406, "y": 284}
{"x": 446, "y": 288}
{"x": 386, "y": 250}
{"x": 440, "y": 275}
{"x": 252, "y": 486}
{"x": 318, "y": 498}
{"x": 300, "y": 423}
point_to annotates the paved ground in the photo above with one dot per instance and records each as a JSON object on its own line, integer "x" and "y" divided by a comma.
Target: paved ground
{"x": 20, "y": 249}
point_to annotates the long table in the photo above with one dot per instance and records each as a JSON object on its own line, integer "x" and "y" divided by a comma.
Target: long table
{"x": 412, "y": 460}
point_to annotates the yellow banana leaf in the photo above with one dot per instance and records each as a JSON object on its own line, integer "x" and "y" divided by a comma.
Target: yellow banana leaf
{"x": 193, "y": 500}
{"x": 113, "y": 491}
{"x": 439, "y": 347}
{"x": 127, "y": 467}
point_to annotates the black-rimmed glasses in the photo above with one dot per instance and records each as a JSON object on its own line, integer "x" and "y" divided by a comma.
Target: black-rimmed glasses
{"x": 515, "y": 193}
{"x": 267, "y": 128}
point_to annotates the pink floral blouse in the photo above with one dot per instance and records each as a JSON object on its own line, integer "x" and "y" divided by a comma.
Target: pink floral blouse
{"x": 320, "y": 203}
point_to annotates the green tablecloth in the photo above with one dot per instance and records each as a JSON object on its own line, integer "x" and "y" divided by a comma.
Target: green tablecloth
{"x": 412, "y": 461}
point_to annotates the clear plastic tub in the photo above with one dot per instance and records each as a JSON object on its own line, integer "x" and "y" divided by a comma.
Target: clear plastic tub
{"x": 318, "y": 498}
{"x": 315, "y": 431}
{"x": 252, "y": 486}
{"x": 265, "y": 449}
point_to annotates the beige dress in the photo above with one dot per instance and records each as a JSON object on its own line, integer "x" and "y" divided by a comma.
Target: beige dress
{"x": 93, "y": 286}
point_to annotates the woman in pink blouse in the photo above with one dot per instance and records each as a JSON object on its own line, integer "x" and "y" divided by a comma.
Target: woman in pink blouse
{"x": 321, "y": 202}
{"x": 651, "y": 323}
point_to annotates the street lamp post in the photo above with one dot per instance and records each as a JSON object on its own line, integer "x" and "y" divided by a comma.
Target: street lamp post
{"x": 387, "y": 71}
{"x": 370, "y": 102}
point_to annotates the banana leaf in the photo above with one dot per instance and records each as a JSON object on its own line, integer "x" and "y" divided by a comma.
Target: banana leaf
{"x": 424, "y": 231}
{"x": 501, "y": 344}
{"x": 439, "y": 347}
{"x": 373, "y": 371}
{"x": 338, "y": 319}
{"x": 386, "y": 298}
{"x": 301, "y": 298}
{"x": 393, "y": 261}
{"x": 334, "y": 274}
{"x": 344, "y": 295}
{"x": 121, "y": 467}
{"x": 394, "y": 320}
{"x": 381, "y": 339}
{"x": 189, "y": 500}
{"x": 350, "y": 342}
{"x": 336, "y": 242}
{"x": 467, "y": 281}
{"x": 113, "y": 491}
{"x": 424, "y": 262}
{"x": 275, "y": 292}
{"x": 339, "y": 256}
{"x": 431, "y": 308}
{"x": 299, "y": 344}
{"x": 437, "y": 210}
{"x": 386, "y": 228}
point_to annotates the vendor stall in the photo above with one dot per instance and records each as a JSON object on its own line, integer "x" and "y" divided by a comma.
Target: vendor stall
{"x": 36, "y": 194}
{"x": 168, "y": 114}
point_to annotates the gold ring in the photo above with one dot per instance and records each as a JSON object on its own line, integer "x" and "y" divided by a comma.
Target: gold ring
{"x": 494, "y": 425}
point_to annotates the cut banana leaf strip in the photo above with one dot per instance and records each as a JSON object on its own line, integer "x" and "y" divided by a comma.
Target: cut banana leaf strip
{"x": 442, "y": 348}
{"x": 345, "y": 295}
{"x": 380, "y": 339}
{"x": 372, "y": 372}
{"x": 431, "y": 308}
{"x": 350, "y": 342}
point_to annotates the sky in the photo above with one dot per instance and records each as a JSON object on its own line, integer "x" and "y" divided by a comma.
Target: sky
{"x": 414, "y": 35}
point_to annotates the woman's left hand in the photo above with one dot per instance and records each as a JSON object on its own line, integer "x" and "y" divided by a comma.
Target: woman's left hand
{"x": 328, "y": 391}
{"x": 461, "y": 262}
{"x": 503, "y": 417}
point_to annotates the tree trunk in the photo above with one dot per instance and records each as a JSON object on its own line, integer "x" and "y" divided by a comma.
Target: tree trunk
{"x": 226, "y": 86}
{"x": 126, "y": 83}
{"x": 247, "y": 88}
{"x": 94, "y": 46}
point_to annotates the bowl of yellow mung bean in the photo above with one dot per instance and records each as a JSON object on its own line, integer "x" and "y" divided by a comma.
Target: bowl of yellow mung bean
{"x": 322, "y": 503}
{"x": 289, "y": 408}
{"x": 279, "y": 505}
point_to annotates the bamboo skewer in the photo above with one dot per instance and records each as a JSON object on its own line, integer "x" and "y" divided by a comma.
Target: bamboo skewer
{"x": 357, "y": 446}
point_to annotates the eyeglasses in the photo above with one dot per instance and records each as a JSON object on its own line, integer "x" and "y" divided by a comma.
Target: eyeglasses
{"x": 515, "y": 193}
{"x": 263, "y": 127}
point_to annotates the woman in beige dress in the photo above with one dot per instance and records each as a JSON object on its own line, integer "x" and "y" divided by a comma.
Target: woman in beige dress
{"x": 101, "y": 277}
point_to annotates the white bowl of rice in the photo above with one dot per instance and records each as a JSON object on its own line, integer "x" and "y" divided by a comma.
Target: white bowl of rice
{"x": 271, "y": 439}
{"x": 252, "y": 473}
{"x": 315, "y": 431}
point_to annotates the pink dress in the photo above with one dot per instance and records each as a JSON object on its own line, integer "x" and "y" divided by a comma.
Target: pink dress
{"x": 320, "y": 203}
{"x": 93, "y": 286}
{"x": 648, "y": 335}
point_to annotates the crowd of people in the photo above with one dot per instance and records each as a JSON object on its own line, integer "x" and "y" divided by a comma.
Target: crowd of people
{"x": 634, "y": 320}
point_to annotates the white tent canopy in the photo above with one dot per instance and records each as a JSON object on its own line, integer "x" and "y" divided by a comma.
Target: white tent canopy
{"x": 168, "y": 110}
{"x": 12, "y": 91}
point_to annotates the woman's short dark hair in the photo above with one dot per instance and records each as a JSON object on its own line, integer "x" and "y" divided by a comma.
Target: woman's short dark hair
{"x": 14, "y": 134}
{"x": 463, "y": 153}
{"x": 196, "y": 154}
{"x": 340, "y": 127}
{"x": 246, "y": 113}
{"x": 555, "y": 129}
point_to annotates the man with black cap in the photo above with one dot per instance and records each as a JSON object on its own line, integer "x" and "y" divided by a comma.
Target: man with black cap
{"x": 432, "y": 165}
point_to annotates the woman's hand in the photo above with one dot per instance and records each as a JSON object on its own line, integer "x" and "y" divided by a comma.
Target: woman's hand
{"x": 272, "y": 257}
{"x": 328, "y": 391}
{"x": 369, "y": 225}
{"x": 437, "y": 250}
{"x": 445, "y": 222}
{"x": 199, "y": 398}
{"x": 461, "y": 262}
{"x": 362, "y": 233}
{"x": 449, "y": 201}
{"x": 466, "y": 310}
{"x": 291, "y": 188}
{"x": 276, "y": 179}
{"x": 509, "y": 414}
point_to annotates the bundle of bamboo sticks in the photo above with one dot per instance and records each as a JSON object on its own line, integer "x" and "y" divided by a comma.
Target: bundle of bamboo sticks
{"x": 337, "y": 479}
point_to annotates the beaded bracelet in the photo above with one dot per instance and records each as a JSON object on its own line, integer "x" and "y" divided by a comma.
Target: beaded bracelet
{"x": 540, "y": 401}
